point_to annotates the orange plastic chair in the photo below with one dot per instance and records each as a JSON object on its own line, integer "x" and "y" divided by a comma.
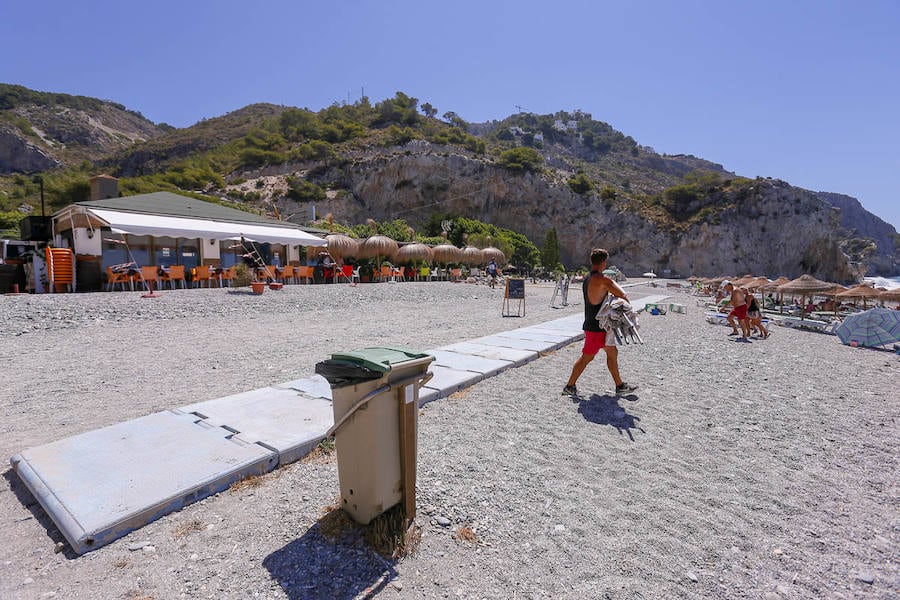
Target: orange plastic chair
{"x": 60, "y": 269}
{"x": 456, "y": 274}
{"x": 113, "y": 278}
{"x": 303, "y": 272}
{"x": 150, "y": 277}
{"x": 175, "y": 274}
{"x": 201, "y": 274}
{"x": 227, "y": 276}
{"x": 287, "y": 274}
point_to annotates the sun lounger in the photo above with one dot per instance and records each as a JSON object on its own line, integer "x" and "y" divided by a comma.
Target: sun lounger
{"x": 810, "y": 324}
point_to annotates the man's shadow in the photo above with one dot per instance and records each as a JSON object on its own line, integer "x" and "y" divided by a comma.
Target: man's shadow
{"x": 605, "y": 410}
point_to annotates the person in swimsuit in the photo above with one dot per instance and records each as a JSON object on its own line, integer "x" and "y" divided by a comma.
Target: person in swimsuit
{"x": 595, "y": 288}
{"x": 738, "y": 304}
{"x": 755, "y": 315}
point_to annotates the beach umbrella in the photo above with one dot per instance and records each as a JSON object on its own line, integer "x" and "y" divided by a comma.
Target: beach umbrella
{"x": 743, "y": 280}
{"x": 890, "y": 295}
{"x": 447, "y": 253}
{"x": 757, "y": 283}
{"x": 649, "y": 274}
{"x": 773, "y": 286}
{"x": 495, "y": 254}
{"x": 378, "y": 247}
{"x": 805, "y": 286}
{"x": 413, "y": 252}
{"x": 860, "y": 291}
{"x": 472, "y": 256}
{"x": 341, "y": 246}
{"x": 873, "y": 327}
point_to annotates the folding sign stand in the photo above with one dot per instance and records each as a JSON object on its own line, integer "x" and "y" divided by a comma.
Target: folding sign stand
{"x": 515, "y": 290}
{"x": 562, "y": 288}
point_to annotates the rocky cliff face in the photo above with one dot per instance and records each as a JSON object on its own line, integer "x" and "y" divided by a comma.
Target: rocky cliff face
{"x": 755, "y": 234}
{"x": 39, "y": 137}
{"x": 860, "y": 224}
{"x": 20, "y": 154}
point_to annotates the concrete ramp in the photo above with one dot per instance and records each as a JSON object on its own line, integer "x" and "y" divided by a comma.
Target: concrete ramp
{"x": 100, "y": 485}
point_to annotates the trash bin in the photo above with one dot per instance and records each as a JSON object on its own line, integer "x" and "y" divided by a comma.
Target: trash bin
{"x": 375, "y": 394}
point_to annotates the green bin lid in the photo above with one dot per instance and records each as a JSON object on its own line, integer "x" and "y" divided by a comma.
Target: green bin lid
{"x": 380, "y": 358}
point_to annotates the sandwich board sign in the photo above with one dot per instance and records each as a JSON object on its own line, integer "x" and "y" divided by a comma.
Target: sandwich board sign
{"x": 515, "y": 290}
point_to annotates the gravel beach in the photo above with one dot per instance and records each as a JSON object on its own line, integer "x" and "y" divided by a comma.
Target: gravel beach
{"x": 764, "y": 470}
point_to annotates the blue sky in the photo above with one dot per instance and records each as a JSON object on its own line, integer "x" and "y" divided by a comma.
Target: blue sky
{"x": 801, "y": 90}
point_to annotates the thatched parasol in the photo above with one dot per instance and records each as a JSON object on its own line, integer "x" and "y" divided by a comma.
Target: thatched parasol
{"x": 472, "y": 256}
{"x": 757, "y": 283}
{"x": 774, "y": 285}
{"x": 744, "y": 280}
{"x": 413, "y": 252}
{"x": 890, "y": 295}
{"x": 495, "y": 254}
{"x": 860, "y": 291}
{"x": 447, "y": 253}
{"x": 378, "y": 247}
{"x": 342, "y": 246}
{"x": 805, "y": 286}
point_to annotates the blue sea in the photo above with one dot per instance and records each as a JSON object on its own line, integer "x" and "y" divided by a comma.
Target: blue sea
{"x": 885, "y": 282}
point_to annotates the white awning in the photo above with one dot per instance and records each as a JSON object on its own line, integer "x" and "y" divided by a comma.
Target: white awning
{"x": 158, "y": 225}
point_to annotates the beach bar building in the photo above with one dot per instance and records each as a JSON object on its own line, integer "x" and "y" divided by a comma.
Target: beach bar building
{"x": 163, "y": 229}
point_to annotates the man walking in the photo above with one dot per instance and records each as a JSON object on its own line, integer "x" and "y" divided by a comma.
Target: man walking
{"x": 595, "y": 289}
{"x": 738, "y": 304}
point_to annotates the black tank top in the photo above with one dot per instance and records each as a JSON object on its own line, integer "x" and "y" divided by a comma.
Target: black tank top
{"x": 591, "y": 310}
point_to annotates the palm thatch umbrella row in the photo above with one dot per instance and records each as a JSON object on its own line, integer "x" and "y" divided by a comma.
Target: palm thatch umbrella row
{"x": 381, "y": 247}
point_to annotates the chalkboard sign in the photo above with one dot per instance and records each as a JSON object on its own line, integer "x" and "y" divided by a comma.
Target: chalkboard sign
{"x": 515, "y": 289}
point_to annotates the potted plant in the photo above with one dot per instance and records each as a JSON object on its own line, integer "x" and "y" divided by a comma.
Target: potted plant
{"x": 366, "y": 271}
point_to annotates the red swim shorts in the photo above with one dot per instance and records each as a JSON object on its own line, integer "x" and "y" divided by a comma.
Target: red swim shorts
{"x": 739, "y": 312}
{"x": 594, "y": 341}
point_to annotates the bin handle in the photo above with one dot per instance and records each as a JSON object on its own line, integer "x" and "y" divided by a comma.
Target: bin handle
{"x": 376, "y": 392}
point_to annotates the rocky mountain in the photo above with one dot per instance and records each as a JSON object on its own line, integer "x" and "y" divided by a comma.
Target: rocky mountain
{"x": 41, "y": 131}
{"x": 753, "y": 230}
{"x": 867, "y": 238}
{"x": 529, "y": 173}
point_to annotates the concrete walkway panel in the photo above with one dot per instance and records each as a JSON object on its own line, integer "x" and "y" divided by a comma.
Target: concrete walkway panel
{"x": 314, "y": 387}
{"x": 281, "y": 419}
{"x": 447, "y": 381}
{"x": 102, "y": 484}
{"x": 514, "y": 341}
{"x": 515, "y": 356}
{"x": 554, "y": 340}
{"x": 469, "y": 362}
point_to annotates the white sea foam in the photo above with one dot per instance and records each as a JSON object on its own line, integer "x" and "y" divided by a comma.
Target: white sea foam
{"x": 885, "y": 282}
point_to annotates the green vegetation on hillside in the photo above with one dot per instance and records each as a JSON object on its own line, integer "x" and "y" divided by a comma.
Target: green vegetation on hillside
{"x": 13, "y": 96}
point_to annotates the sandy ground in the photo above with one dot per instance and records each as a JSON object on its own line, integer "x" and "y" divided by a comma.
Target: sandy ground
{"x": 763, "y": 470}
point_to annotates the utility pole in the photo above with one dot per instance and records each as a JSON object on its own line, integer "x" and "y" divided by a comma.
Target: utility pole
{"x": 40, "y": 181}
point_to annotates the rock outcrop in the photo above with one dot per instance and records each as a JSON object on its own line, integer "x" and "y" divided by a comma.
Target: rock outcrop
{"x": 754, "y": 233}
{"x": 859, "y": 224}
{"x": 19, "y": 154}
{"x": 37, "y": 137}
